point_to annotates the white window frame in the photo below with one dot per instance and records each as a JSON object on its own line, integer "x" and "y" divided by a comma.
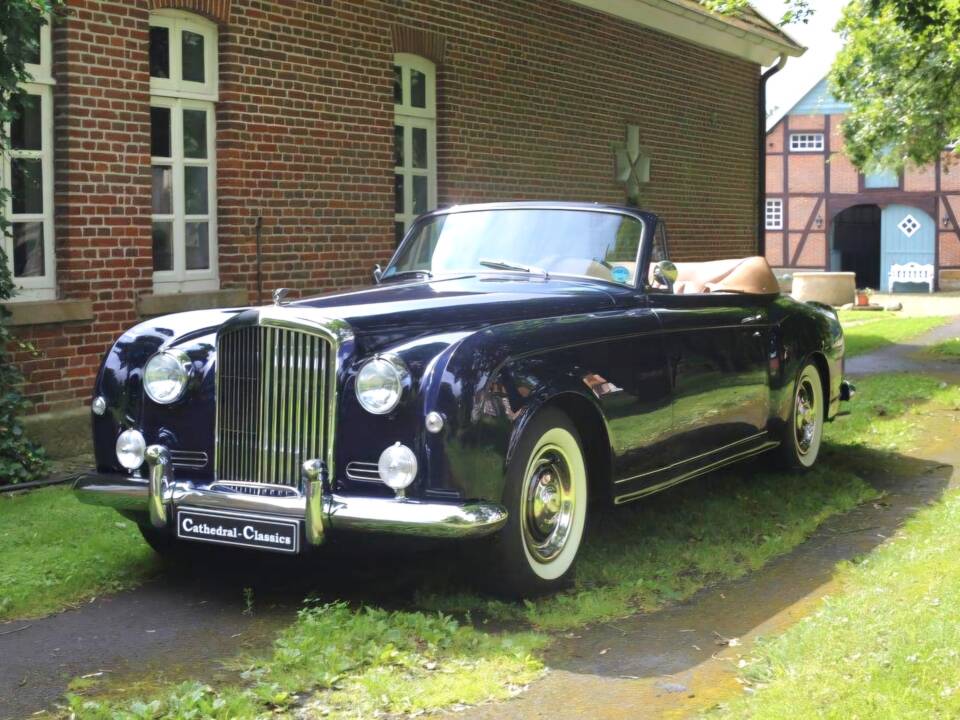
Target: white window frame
{"x": 179, "y": 95}
{"x": 41, "y": 85}
{"x": 774, "y": 214}
{"x": 176, "y": 21}
{"x": 409, "y": 117}
{"x": 807, "y": 142}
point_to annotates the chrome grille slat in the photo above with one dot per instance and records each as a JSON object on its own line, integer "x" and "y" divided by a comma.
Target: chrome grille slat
{"x": 272, "y": 386}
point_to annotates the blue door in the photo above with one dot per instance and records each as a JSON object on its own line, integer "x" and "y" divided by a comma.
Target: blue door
{"x": 907, "y": 234}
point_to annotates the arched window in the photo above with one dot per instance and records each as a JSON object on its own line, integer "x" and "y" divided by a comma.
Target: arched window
{"x": 183, "y": 95}
{"x": 27, "y": 172}
{"x": 415, "y": 138}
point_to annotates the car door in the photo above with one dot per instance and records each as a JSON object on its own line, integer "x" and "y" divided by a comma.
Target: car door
{"x": 716, "y": 348}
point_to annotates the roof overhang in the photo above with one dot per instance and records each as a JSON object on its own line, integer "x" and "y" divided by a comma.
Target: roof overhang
{"x": 759, "y": 43}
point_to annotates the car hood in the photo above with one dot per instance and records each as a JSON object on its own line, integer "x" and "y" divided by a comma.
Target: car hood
{"x": 466, "y": 302}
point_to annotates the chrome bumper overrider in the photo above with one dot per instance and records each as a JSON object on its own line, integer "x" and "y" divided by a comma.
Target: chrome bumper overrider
{"x": 320, "y": 511}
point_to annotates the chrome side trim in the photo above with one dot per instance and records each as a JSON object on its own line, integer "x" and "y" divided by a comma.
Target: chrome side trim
{"x": 194, "y": 459}
{"x": 621, "y": 499}
{"x": 702, "y": 455}
{"x": 363, "y": 471}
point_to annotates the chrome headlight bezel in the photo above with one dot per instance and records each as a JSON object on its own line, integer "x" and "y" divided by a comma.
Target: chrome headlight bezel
{"x": 180, "y": 363}
{"x": 391, "y": 371}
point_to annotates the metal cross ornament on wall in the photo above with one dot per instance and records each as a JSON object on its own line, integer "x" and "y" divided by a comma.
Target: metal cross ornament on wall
{"x": 631, "y": 164}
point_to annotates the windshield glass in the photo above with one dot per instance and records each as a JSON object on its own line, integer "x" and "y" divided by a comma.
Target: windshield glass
{"x": 587, "y": 243}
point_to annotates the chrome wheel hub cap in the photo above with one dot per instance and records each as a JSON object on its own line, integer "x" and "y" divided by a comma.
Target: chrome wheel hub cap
{"x": 806, "y": 416}
{"x": 547, "y": 514}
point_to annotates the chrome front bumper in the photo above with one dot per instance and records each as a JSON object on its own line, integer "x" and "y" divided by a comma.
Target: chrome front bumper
{"x": 319, "y": 511}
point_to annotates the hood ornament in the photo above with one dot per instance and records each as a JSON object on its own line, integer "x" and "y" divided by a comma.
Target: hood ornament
{"x": 279, "y": 296}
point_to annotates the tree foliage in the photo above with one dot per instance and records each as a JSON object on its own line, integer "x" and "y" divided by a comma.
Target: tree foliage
{"x": 899, "y": 70}
{"x": 794, "y": 11}
{"x": 20, "y": 460}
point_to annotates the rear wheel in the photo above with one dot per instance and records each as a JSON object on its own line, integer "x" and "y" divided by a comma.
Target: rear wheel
{"x": 546, "y": 497}
{"x": 803, "y": 432}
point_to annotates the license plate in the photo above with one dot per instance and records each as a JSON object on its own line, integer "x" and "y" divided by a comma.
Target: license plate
{"x": 241, "y": 530}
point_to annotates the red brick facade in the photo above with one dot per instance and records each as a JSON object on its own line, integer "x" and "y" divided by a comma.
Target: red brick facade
{"x": 531, "y": 95}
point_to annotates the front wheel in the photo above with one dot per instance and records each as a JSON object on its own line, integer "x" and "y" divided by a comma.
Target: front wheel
{"x": 803, "y": 432}
{"x": 546, "y": 497}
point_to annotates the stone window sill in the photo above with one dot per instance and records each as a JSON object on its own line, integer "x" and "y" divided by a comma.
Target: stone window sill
{"x": 48, "y": 312}
{"x": 153, "y": 305}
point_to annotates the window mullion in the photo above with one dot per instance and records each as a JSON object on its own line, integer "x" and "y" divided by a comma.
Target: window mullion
{"x": 179, "y": 191}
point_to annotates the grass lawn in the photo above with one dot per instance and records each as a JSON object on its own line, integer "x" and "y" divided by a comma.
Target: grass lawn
{"x": 866, "y": 332}
{"x": 946, "y": 349}
{"x": 887, "y": 647}
{"x": 58, "y": 552}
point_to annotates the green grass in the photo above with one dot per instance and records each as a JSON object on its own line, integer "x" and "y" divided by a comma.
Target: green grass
{"x": 887, "y": 647}
{"x": 848, "y": 317}
{"x": 866, "y": 335}
{"x": 946, "y": 349}
{"x": 58, "y": 552}
{"x": 338, "y": 662}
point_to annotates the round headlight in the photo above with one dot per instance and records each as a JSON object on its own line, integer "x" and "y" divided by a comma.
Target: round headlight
{"x": 130, "y": 449}
{"x": 398, "y": 467}
{"x": 380, "y": 384}
{"x": 165, "y": 376}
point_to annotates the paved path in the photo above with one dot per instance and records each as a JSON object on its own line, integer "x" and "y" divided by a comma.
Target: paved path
{"x": 183, "y": 624}
{"x": 909, "y": 357}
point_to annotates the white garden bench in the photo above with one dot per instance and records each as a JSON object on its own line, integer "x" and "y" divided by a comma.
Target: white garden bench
{"x": 911, "y": 272}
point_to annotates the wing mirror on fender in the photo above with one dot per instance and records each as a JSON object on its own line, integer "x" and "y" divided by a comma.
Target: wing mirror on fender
{"x": 666, "y": 273}
{"x": 377, "y": 273}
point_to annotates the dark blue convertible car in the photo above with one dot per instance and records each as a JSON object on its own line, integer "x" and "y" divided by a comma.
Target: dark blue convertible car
{"x": 513, "y": 365}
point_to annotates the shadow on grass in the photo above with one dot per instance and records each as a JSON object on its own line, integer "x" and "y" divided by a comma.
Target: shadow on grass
{"x": 684, "y": 635}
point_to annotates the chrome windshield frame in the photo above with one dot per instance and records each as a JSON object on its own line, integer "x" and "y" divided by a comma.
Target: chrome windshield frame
{"x": 641, "y": 217}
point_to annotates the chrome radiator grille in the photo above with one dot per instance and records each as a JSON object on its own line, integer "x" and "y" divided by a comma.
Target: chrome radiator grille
{"x": 271, "y": 403}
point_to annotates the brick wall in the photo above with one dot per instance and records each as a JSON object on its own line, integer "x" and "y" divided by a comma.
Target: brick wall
{"x": 531, "y": 94}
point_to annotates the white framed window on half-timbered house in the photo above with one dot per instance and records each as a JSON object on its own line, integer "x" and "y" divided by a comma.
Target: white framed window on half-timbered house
{"x": 774, "y": 214}
{"x": 807, "y": 142}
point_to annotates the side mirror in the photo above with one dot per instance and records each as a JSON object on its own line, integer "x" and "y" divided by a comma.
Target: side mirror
{"x": 666, "y": 274}
{"x": 377, "y": 273}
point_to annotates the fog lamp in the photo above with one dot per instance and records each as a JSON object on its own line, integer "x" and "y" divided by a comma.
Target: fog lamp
{"x": 130, "y": 449}
{"x": 398, "y": 467}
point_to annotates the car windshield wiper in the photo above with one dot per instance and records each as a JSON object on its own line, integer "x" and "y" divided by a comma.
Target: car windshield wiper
{"x": 507, "y": 265}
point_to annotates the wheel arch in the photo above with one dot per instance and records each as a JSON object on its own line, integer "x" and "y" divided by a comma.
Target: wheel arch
{"x": 591, "y": 426}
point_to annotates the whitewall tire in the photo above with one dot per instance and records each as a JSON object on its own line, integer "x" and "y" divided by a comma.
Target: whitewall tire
{"x": 546, "y": 496}
{"x": 803, "y": 432}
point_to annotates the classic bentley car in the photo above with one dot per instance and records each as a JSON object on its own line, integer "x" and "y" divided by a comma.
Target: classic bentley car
{"x": 513, "y": 365}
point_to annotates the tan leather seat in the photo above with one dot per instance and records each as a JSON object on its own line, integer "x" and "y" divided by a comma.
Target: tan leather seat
{"x": 751, "y": 276}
